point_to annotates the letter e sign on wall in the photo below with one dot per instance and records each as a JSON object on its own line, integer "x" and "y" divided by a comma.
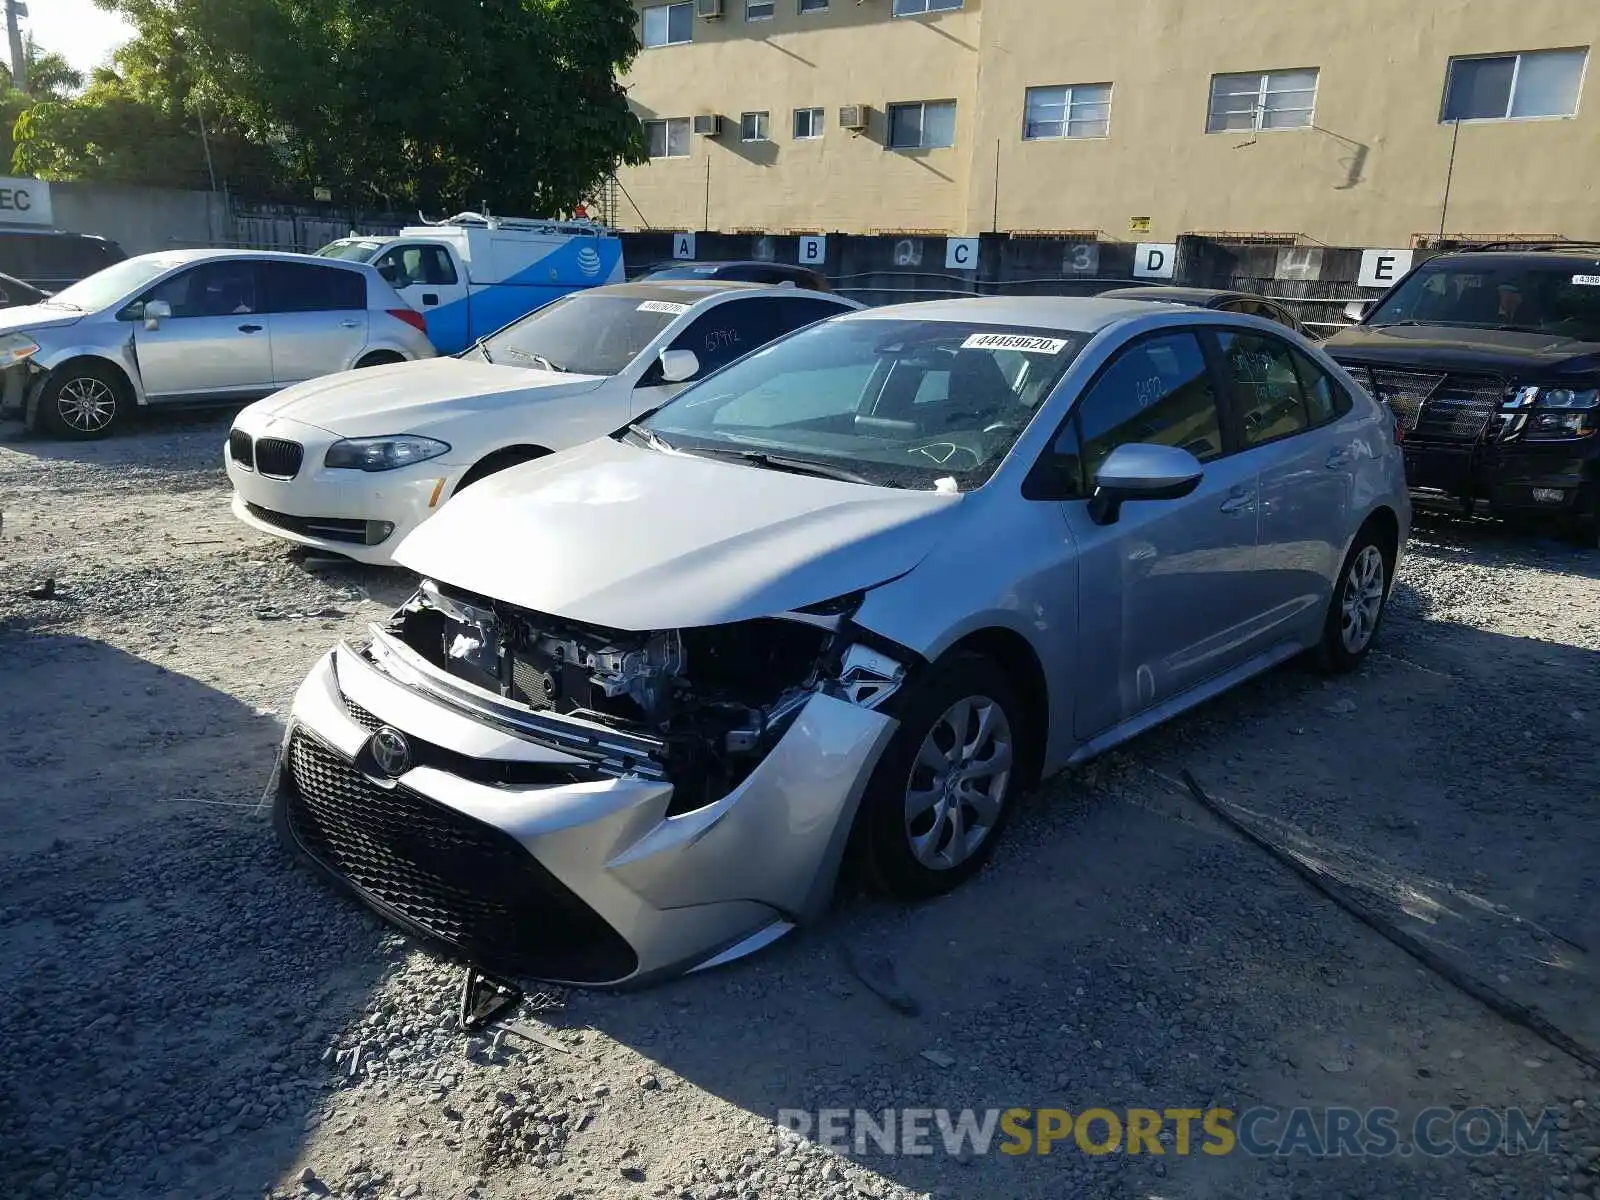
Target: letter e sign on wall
{"x": 1383, "y": 268}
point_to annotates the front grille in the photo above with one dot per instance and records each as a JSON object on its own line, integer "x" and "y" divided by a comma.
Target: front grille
{"x": 278, "y": 458}
{"x": 240, "y": 449}
{"x": 1439, "y": 407}
{"x": 453, "y": 879}
{"x": 495, "y": 772}
{"x": 332, "y": 529}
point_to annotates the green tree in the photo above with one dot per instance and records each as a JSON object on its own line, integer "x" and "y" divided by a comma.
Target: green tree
{"x": 403, "y": 103}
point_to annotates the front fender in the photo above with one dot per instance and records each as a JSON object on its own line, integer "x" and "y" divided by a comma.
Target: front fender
{"x": 123, "y": 358}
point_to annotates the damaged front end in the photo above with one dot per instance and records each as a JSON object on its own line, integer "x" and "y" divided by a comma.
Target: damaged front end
{"x": 699, "y": 708}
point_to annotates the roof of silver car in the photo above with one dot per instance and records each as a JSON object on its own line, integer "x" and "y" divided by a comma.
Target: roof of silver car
{"x": 178, "y": 257}
{"x": 682, "y": 291}
{"x": 1079, "y": 314}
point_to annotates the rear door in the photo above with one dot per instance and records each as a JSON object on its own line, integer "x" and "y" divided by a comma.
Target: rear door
{"x": 430, "y": 280}
{"x": 1167, "y": 594}
{"x": 318, "y": 317}
{"x": 216, "y": 341}
{"x": 729, "y": 331}
{"x": 1286, "y": 410}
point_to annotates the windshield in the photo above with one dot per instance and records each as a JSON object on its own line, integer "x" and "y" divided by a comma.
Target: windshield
{"x": 1551, "y": 298}
{"x": 586, "y": 333}
{"x": 105, "y": 288}
{"x": 898, "y": 403}
{"x": 350, "y": 250}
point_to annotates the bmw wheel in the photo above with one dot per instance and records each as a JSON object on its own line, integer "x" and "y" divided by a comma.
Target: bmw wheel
{"x": 82, "y": 401}
{"x": 942, "y": 792}
{"x": 1359, "y": 599}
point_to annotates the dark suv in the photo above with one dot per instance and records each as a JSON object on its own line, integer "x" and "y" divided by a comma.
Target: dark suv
{"x": 1490, "y": 360}
{"x": 744, "y": 272}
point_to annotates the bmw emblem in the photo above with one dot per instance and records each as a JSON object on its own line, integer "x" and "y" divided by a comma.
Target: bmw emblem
{"x": 390, "y": 752}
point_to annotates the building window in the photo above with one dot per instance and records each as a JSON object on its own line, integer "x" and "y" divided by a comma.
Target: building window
{"x": 1544, "y": 83}
{"x": 668, "y": 138}
{"x": 757, "y": 10}
{"x": 754, "y": 127}
{"x": 668, "y": 24}
{"x": 808, "y": 123}
{"x": 1262, "y": 100}
{"x": 926, "y": 125}
{"x": 1080, "y": 111}
{"x": 813, "y": 6}
{"x": 915, "y": 8}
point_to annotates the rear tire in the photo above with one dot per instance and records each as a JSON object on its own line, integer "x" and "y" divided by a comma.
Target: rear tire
{"x": 83, "y": 400}
{"x": 942, "y": 792}
{"x": 1359, "y": 601}
{"x": 382, "y": 358}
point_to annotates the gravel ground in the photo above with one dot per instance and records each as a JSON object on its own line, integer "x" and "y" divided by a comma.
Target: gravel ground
{"x": 185, "y": 1014}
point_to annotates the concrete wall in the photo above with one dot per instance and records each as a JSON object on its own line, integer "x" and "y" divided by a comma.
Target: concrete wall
{"x": 140, "y": 219}
{"x": 1372, "y": 170}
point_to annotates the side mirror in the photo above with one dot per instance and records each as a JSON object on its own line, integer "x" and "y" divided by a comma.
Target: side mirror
{"x": 155, "y": 312}
{"x": 1141, "y": 472}
{"x": 1356, "y": 311}
{"x": 678, "y": 366}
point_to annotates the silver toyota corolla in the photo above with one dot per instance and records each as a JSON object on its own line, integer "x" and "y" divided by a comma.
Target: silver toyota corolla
{"x": 196, "y": 326}
{"x": 835, "y": 605}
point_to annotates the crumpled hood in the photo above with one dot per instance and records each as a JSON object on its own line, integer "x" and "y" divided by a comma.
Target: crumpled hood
{"x": 29, "y": 317}
{"x": 636, "y": 539}
{"x": 406, "y": 397}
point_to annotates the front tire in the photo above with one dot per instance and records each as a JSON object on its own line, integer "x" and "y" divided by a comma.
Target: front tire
{"x": 1359, "y": 600}
{"x": 941, "y": 794}
{"x": 83, "y": 401}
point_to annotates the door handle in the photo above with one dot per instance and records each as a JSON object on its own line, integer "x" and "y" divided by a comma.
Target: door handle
{"x": 349, "y": 324}
{"x": 249, "y": 329}
{"x": 1245, "y": 502}
{"x": 1338, "y": 458}
{"x": 429, "y": 298}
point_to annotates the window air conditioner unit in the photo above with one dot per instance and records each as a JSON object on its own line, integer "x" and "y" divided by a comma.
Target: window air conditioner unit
{"x": 708, "y": 10}
{"x": 853, "y": 116}
{"x": 708, "y": 125}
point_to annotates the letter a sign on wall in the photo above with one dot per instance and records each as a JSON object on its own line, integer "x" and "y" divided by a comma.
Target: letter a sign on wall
{"x": 683, "y": 245}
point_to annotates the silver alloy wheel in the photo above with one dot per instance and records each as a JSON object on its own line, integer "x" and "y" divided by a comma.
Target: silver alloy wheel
{"x": 86, "y": 404}
{"x": 958, "y": 783}
{"x": 1362, "y": 602}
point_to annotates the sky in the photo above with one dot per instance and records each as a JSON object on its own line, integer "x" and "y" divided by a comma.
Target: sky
{"x": 76, "y": 29}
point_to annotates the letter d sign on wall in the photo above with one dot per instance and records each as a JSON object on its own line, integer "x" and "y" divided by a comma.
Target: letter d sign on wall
{"x": 813, "y": 251}
{"x": 1155, "y": 260}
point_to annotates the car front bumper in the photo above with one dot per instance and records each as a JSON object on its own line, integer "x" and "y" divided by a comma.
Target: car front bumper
{"x": 1506, "y": 475}
{"x": 359, "y": 514}
{"x": 581, "y": 877}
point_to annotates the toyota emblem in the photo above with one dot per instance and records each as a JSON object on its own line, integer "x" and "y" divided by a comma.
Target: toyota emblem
{"x": 391, "y": 752}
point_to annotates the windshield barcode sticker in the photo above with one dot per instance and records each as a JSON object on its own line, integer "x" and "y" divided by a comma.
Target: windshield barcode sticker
{"x": 663, "y": 306}
{"x": 1586, "y": 280}
{"x": 1014, "y": 341}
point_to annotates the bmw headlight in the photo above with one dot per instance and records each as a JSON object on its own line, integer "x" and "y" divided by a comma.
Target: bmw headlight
{"x": 383, "y": 453}
{"x": 15, "y": 347}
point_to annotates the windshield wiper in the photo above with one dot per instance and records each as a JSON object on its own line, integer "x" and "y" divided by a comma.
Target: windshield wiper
{"x": 793, "y": 466}
{"x": 649, "y": 437}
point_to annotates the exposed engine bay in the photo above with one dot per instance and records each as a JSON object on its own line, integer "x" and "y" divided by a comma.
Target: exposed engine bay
{"x": 718, "y": 697}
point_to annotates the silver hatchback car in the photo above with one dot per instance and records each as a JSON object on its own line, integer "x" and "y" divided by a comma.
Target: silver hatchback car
{"x": 196, "y": 326}
{"x": 837, "y": 602}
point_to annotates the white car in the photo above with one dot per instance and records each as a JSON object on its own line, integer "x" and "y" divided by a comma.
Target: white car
{"x": 354, "y": 463}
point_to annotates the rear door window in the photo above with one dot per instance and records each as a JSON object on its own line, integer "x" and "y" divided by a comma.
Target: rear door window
{"x": 302, "y": 287}
{"x": 218, "y": 289}
{"x": 1264, "y": 386}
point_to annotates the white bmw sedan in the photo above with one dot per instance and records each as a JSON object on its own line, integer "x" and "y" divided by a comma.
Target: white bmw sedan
{"x": 352, "y": 464}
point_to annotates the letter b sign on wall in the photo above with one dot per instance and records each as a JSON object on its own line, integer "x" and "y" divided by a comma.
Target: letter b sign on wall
{"x": 813, "y": 251}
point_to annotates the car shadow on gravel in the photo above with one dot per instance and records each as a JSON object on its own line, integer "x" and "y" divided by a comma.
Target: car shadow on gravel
{"x": 1471, "y": 540}
{"x": 1126, "y": 950}
{"x": 131, "y": 440}
{"x": 165, "y": 993}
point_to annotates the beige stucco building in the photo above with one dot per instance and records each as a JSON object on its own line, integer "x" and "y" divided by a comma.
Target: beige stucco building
{"x": 1332, "y": 122}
